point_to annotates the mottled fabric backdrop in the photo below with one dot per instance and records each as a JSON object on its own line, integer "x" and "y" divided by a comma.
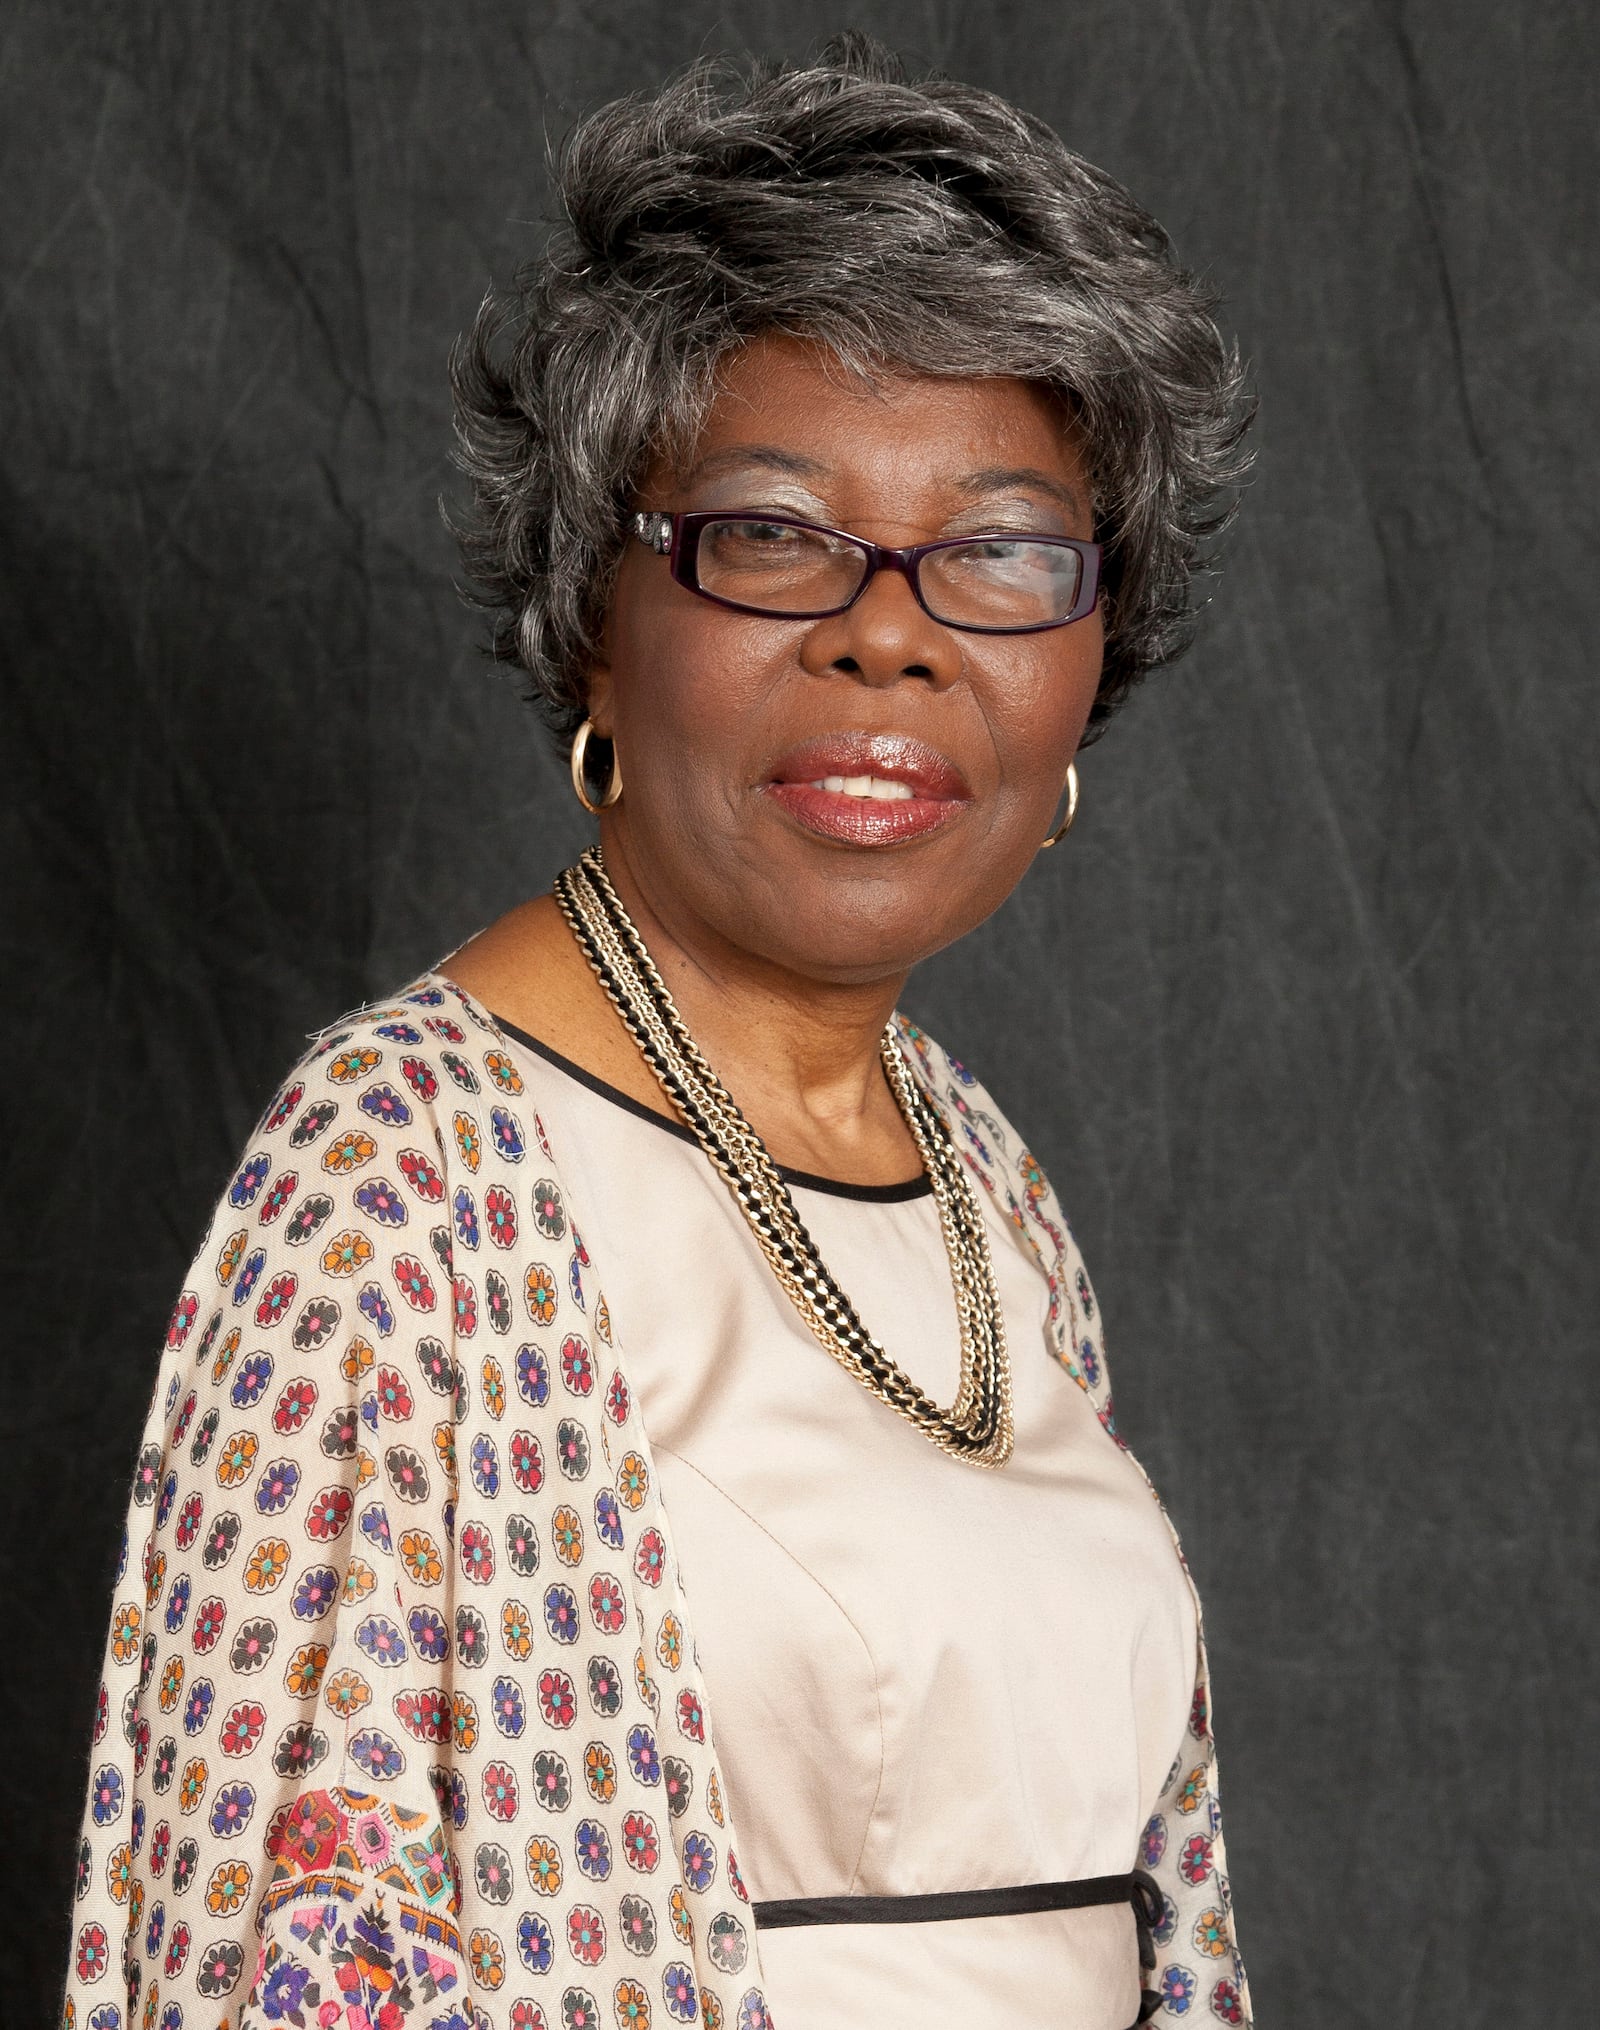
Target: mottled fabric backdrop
{"x": 1302, "y": 1020}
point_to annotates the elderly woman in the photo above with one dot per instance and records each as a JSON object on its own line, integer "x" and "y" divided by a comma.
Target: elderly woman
{"x": 631, "y": 1528}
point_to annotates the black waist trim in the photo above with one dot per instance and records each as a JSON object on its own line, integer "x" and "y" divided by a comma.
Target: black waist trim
{"x": 945, "y": 1904}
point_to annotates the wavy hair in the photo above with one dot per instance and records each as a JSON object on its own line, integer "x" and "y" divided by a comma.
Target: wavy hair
{"x": 913, "y": 223}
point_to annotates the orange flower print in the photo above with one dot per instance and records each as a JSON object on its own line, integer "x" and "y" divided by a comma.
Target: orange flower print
{"x": 348, "y": 1152}
{"x": 346, "y": 1253}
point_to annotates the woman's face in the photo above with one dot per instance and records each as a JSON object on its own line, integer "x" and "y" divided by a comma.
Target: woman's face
{"x": 723, "y": 721}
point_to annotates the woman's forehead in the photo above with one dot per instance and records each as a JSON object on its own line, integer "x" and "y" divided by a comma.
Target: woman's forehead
{"x": 788, "y": 410}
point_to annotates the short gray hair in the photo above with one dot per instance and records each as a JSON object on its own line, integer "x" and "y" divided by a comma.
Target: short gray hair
{"x": 918, "y": 224}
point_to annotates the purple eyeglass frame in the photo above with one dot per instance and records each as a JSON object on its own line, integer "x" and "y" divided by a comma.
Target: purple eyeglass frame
{"x": 676, "y": 536}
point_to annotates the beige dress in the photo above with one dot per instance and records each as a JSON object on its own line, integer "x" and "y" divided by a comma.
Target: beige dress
{"x": 926, "y": 1676}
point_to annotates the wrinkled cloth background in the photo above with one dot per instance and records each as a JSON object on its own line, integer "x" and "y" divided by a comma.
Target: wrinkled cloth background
{"x": 1302, "y": 1019}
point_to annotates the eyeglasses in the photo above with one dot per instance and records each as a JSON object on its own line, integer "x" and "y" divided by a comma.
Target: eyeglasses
{"x": 795, "y": 570}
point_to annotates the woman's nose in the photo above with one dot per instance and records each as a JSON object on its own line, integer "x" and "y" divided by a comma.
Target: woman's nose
{"x": 885, "y": 636}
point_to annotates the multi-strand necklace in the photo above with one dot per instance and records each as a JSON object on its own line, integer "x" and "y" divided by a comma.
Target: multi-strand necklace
{"x": 977, "y": 1426}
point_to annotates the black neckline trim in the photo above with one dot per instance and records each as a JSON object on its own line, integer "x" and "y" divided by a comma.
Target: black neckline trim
{"x": 872, "y": 1194}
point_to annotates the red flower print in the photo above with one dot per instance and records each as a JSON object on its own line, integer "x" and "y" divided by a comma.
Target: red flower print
{"x": 691, "y": 1721}
{"x": 394, "y": 1398}
{"x": 284, "y": 1107}
{"x": 242, "y": 1728}
{"x": 184, "y": 1314}
{"x": 586, "y": 1935}
{"x": 279, "y": 1196}
{"x": 527, "y": 1462}
{"x": 421, "y": 1175}
{"x": 189, "y": 1517}
{"x": 296, "y": 1403}
{"x": 500, "y": 1792}
{"x": 276, "y": 1299}
{"x": 330, "y": 1514}
{"x": 414, "y": 1283}
{"x": 650, "y": 1561}
{"x": 557, "y": 1700}
{"x": 617, "y": 1399}
{"x": 426, "y": 1715}
{"x": 419, "y": 1076}
{"x": 606, "y": 1604}
{"x": 500, "y": 1216}
{"x": 477, "y": 1554}
{"x": 577, "y": 1370}
{"x": 94, "y": 1954}
{"x": 465, "y": 1300}
{"x": 210, "y": 1618}
{"x": 641, "y": 1844}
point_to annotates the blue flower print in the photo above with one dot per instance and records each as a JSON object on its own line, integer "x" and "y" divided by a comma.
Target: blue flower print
{"x": 249, "y": 1276}
{"x": 608, "y": 1518}
{"x": 232, "y": 1809}
{"x": 678, "y": 1991}
{"x": 429, "y": 1636}
{"x": 316, "y": 1593}
{"x": 1177, "y": 1990}
{"x": 535, "y": 1946}
{"x": 197, "y": 1707}
{"x": 377, "y": 1755}
{"x": 507, "y": 1707}
{"x": 107, "y": 1794}
{"x": 507, "y": 1134}
{"x": 699, "y": 1861}
{"x": 279, "y": 1482}
{"x": 593, "y": 1850}
{"x": 485, "y": 1466}
{"x": 250, "y": 1383}
{"x": 378, "y": 1637}
{"x": 466, "y": 1217}
{"x": 380, "y": 1201}
{"x": 533, "y": 1376}
{"x": 561, "y": 1613}
{"x": 375, "y": 1309}
{"x": 177, "y": 1604}
{"x": 642, "y": 1757}
{"x": 383, "y": 1103}
{"x": 249, "y": 1181}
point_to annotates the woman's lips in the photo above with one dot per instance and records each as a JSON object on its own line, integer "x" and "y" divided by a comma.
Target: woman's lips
{"x": 868, "y": 789}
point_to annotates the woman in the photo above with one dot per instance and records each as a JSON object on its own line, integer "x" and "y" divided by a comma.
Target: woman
{"x": 620, "y": 1541}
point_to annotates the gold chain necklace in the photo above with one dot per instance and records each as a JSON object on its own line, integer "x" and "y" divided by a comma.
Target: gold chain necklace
{"x": 977, "y": 1426}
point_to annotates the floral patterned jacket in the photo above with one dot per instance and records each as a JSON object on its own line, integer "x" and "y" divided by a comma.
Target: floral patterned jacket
{"x": 400, "y": 1727}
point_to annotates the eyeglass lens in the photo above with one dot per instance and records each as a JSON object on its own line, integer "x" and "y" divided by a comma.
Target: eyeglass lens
{"x": 992, "y": 581}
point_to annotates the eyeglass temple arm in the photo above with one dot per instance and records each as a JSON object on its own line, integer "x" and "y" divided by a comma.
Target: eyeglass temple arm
{"x": 654, "y": 530}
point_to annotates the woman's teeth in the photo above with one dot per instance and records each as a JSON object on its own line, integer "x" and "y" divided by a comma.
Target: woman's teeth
{"x": 867, "y": 785}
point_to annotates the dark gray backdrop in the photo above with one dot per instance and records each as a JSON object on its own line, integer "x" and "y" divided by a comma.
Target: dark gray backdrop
{"x": 1301, "y": 1020}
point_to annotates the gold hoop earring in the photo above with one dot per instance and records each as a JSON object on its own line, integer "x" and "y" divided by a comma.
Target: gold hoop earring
{"x": 1065, "y": 825}
{"x": 580, "y": 750}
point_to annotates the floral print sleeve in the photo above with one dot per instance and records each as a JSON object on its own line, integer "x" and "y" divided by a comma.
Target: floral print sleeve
{"x": 400, "y": 1727}
{"x": 1197, "y": 1964}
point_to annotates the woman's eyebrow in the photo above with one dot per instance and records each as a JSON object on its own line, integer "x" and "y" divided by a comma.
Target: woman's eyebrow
{"x": 1007, "y": 478}
{"x": 762, "y": 457}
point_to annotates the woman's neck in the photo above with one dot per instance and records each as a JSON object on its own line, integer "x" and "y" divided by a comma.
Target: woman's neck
{"x": 801, "y": 1058}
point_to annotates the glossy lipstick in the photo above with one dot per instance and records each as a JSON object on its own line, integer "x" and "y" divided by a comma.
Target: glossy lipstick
{"x": 867, "y": 789}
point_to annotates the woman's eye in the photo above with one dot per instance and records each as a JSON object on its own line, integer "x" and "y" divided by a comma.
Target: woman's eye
{"x": 761, "y": 532}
